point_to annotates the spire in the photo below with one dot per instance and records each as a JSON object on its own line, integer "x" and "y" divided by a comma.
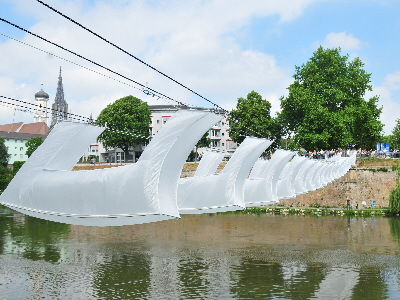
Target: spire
{"x": 60, "y": 106}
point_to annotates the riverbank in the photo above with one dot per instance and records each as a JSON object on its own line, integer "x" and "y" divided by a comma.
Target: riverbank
{"x": 332, "y": 211}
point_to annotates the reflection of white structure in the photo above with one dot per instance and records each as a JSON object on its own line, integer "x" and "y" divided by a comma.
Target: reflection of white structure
{"x": 338, "y": 284}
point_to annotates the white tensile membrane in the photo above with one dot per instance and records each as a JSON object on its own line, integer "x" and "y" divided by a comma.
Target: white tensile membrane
{"x": 285, "y": 185}
{"x": 223, "y": 191}
{"x": 263, "y": 189}
{"x": 45, "y": 187}
{"x": 209, "y": 163}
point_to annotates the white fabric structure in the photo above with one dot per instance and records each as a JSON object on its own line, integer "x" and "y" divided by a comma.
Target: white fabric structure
{"x": 209, "y": 163}
{"x": 263, "y": 190}
{"x": 224, "y": 191}
{"x": 285, "y": 185}
{"x": 45, "y": 187}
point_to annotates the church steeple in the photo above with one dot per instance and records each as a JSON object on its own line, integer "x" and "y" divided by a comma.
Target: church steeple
{"x": 60, "y": 106}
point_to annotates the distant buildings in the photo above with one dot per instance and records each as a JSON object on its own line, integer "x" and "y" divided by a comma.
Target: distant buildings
{"x": 160, "y": 114}
{"x": 17, "y": 134}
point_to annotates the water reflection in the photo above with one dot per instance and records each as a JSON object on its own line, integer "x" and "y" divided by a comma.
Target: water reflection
{"x": 202, "y": 257}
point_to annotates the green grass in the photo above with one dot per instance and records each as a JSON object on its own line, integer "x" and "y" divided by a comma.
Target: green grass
{"x": 309, "y": 211}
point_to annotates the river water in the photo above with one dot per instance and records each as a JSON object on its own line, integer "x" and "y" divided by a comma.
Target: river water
{"x": 202, "y": 257}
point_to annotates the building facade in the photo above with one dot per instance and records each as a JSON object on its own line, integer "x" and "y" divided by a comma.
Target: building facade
{"x": 41, "y": 99}
{"x": 17, "y": 134}
{"x": 160, "y": 114}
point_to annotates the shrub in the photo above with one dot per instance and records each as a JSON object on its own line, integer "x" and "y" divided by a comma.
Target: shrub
{"x": 16, "y": 166}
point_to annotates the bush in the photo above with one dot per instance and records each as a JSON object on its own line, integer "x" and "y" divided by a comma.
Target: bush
{"x": 394, "y": 199}
{"x": 191, "y": 156}
{"x": 16, "y": 166}
{"x": 5, "y": 177}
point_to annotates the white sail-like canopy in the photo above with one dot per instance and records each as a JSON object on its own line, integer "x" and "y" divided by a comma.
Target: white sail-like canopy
{"x": 285, "y": 185}
{"x": 45, "y": 187}
{"x": 263, "y": 190}
{"x": 209, "y": 163}
{"x": 223, "y": 191}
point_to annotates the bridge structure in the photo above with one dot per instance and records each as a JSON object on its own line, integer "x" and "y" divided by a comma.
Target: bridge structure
{"x": 151, "y": 189}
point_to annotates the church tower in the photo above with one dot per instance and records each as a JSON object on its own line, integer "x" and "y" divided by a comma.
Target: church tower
{"x": 60, "y": 106}
{"x": 41, "y": 99}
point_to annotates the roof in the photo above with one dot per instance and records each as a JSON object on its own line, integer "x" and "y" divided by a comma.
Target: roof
{"x": 11, "y": 127}
{"x": 20, "y": 136}
{"x": 41, "y": 94}
{"x": 40, "y": 128}
{"x": 35, "y": 128}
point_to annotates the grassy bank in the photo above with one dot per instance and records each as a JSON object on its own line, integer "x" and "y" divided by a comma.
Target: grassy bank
{"x": 310, "y": 211}
{"x": 378, "y": 162}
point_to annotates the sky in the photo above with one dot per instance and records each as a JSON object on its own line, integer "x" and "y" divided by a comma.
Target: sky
{"x": 222, "y": 50}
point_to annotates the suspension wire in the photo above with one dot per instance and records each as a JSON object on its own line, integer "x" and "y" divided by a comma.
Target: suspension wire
{"x": 86, "y": 68}
{"x": 52, "y": 110}
{"x": 131, "y": 55}
{"x": 27, "y": 109}
{"x": 93, "y": 62}
{"x": 247, "y": 132}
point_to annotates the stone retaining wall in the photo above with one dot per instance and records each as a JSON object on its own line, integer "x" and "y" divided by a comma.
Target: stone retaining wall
{"x": 357, "y": 184}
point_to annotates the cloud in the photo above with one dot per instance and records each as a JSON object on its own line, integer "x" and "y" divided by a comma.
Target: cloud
{"x": 346, "y": 42}
{"x": 193, "y": 42}
{"x": 387, "y": 92}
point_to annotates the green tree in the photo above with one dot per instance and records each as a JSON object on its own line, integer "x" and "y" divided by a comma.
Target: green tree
{"x": 396, "y": 135}
{"x": 4, "y": 156}
{"x": 325, "y": 107}
{"x": 32, "y": 145}
{"x": 5, "y": 177}
{"x": 205, "y": 141}
{"x": 130, "y": 115}
{"x": 252, "y": 117}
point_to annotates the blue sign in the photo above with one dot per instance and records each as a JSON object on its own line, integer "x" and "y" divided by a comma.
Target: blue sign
{"x": 387, "y": 148}
{"x": 378, "y": 147}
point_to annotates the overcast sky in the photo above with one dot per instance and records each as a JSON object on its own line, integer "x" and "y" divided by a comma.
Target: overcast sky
{"x": 221, "y": 49}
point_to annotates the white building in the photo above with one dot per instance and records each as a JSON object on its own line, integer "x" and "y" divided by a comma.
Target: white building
{"x": 41, "y": 99}
{"x": 17, "y": 134}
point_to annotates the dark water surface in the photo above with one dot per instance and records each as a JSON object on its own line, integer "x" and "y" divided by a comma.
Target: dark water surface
{"x": 202, "y": 257}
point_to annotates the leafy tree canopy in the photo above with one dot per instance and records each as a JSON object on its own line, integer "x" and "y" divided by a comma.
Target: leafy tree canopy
{"x": 32, "y": 145}
{"x": 325, "y": 107}
{"x": 128, "y": 114}
{"x": 4, "y": 156}
{"x": 252, "y": 117}
{"x": 396, "y": 136}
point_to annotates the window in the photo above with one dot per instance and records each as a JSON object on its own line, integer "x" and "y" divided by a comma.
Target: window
{"x": 223, "y": 134}
{"x": 158, "y": 121}
{"x": 222, "y": 144}
{"x": 218, "y": 124}
{"x": 21, "y": 149}
{"x": 15, "y": 148}
{"x": 15, "y": 154}
{"x": 150, "y": 130}
{"x": 7, "y": 148}
{"x": 21, "y": 156}
{"x": 215, "y": 143}
{"x": 22, "y": 141}
{"x": 165, "y": 119}
{"x": 214, "y": 133}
